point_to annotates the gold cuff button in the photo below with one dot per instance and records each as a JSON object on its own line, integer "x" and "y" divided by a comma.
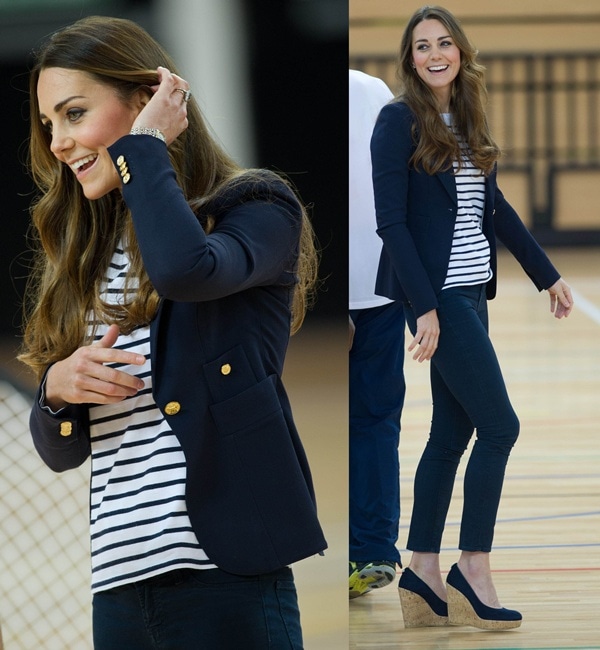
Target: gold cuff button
{"x": 172, "y": 408}
{"x": 66, "y": 429}
{"x": 126, "y": 178}
{"x": 225, "y": 369}
{"x": 120, "y": 160}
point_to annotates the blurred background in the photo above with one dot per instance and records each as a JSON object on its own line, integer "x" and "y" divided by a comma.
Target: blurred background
{"x": 270, "y": 76}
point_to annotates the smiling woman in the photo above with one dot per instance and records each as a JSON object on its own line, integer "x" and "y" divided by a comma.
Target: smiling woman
{"x": 83, "y": 118}
{"x": 439, "y": 210}
{"x": 158, "y": 253}
{"x": 436, "y": 59}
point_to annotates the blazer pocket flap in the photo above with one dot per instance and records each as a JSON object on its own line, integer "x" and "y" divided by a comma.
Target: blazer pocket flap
{"x": 229, "y": 374}
{"x": 247, "y": 408}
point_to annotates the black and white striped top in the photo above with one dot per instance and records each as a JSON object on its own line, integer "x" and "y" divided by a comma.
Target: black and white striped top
{"x": 138, "y": 517}
{"x": 470, "y": 255}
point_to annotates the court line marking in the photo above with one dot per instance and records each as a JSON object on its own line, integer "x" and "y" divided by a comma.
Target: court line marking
{"x": 511, "y": 547}
{"x": 533, "y": 477}
{"x": 512, "y": 520}
{"x": 537, "y": 477}
{"x": 570, "y": 515}
{"x": 514, "y": 547}
{"x": 586, "y": 306}
{"x": 547, "y": 569}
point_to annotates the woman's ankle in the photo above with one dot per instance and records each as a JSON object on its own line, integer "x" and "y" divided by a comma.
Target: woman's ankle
{"x": 426, "y": 566}
{"x": 475, "y": 567}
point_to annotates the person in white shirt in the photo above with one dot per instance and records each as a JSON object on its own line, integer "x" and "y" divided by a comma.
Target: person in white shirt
{"x": 376, "y": 385}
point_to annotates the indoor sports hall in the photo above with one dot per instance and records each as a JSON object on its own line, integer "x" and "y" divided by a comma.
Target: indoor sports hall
{"x": 543, "y": 76}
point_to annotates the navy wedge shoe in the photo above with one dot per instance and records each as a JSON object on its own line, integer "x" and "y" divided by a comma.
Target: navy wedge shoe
{"x": 464, "y": 608}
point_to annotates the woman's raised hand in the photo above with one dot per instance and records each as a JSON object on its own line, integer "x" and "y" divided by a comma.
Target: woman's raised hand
{"x": 167, "y": 108}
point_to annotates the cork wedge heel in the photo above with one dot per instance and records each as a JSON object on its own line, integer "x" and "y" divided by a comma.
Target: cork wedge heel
{"x": 421, "y": 607}
{"x": 464, "y": 608}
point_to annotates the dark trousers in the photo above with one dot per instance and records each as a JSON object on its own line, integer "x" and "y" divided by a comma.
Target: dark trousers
{"x": 376, "y": 394}
{"x": 200, "y": 610}
{"x": 468, "y": 393}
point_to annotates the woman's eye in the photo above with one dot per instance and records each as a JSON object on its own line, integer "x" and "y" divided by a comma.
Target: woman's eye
{"x": 73, "y": 114}
{"x": 47, "y": 127}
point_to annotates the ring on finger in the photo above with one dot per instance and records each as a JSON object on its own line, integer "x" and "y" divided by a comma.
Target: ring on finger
{"x": 186, "y": 93}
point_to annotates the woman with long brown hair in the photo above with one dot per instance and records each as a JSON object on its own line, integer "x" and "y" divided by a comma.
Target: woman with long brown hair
{"x": 439, "y": 210}
{"x": 167, "y": 283}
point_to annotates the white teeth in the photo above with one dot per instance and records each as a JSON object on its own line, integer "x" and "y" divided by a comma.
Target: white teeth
{"x": 82, "y": 161}
{"x": 437, "y": 68}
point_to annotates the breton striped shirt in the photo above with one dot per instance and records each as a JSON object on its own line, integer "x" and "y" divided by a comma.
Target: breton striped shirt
{"x": 470, "y": 255}
{"x": 138, "y": 517}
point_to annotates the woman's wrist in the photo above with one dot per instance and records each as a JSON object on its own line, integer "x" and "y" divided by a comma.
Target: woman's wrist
{"x": 146, "y": 130}
{"x": 53, "y": 403}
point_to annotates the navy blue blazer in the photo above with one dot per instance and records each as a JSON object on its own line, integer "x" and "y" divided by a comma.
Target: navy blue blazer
{"x": 218, "y": 345}
{"x": 416, "y": 213}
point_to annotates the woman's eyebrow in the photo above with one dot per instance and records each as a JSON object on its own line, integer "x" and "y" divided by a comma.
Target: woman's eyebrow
{"x": 426, "y": 40}
{"x": 59, "y": 106}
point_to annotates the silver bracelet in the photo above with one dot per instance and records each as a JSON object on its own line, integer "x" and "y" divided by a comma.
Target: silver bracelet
{"x": 145, "y": 130}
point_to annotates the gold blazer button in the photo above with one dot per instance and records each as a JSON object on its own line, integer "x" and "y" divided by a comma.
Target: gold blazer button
{"x": 172, "y": 408}
{"x": 66, "y": 429}
{"x": 225, "y": 369}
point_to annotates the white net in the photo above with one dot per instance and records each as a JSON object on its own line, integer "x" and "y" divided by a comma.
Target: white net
{"x": 45, "y": 598}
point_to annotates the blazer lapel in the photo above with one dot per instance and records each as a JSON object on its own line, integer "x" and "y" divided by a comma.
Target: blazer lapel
{"x": 447, "y": 180}
{"x": 488, "y": 210}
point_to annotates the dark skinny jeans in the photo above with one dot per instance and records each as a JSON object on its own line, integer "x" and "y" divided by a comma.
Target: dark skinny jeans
{"x": 468, "y": 394}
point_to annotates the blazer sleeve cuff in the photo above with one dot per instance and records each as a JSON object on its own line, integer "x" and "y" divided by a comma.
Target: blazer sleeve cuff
{"x": 61, "y": 438}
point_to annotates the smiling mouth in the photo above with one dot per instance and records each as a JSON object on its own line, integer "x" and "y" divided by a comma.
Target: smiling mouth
{"x": 438, "y": 68}
{"x": 84, "y": 163}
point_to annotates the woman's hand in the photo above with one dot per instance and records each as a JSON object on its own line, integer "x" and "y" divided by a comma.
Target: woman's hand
{"x": 428, "y": 333}
{"x": 167, "y": 109}
{"x": 83, "y": 377}
{"x": 561, "y": 300}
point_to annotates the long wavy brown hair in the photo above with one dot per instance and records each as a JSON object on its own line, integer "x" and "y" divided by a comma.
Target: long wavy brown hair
{"x": 436, "y": 146}
{"x": 74, "y": 238}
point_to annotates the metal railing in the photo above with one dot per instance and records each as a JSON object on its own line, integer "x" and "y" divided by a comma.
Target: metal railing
{"x": 544, "y": 110}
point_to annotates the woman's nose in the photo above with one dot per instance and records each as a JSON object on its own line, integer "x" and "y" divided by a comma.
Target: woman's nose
{"x": 60, "y": 142}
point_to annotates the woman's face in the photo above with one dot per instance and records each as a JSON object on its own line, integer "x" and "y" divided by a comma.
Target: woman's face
{"x": 84, "y": 117}
{"x": 436, "y": 58}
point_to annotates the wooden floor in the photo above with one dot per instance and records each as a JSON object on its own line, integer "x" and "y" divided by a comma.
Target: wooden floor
{"x": 546, "y": 558}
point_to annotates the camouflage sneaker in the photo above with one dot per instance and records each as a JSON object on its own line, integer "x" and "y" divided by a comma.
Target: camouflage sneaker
{"x": 365, "y": 576}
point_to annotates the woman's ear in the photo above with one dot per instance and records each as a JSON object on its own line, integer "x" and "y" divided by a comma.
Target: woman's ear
{"x": 141, "y": 97}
